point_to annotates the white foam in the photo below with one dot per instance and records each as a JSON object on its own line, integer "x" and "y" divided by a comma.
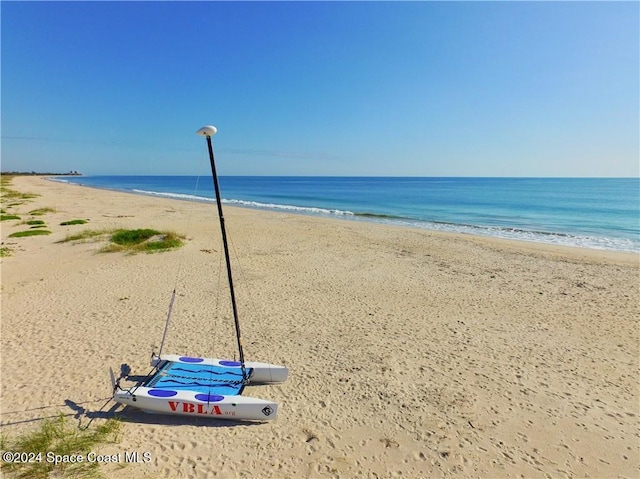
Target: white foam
{"x": 563, "y": 239}
{"x": 300, "y": 209}
{"x": 251, "y": 204}
{"x": 178, "y": 196}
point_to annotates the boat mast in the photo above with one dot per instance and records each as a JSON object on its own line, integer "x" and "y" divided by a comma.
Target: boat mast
{"x": 208, "y": 132}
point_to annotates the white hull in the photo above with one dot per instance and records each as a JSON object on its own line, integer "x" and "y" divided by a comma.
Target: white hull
{"x": 185, "y": 403}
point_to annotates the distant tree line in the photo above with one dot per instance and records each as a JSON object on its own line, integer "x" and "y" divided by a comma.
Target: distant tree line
{"x": 36, "y": 173}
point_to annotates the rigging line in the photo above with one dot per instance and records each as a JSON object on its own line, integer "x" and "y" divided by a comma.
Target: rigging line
{"x": 255, "y": 314}
{"x": 133, "y": 389}
{"x": 188, "y": 229}
{"x": 181, "y": 260}
{"x": 216, "y": 316}
{"x": 218, "y": 384}
{"x": 218, "y": 291}
{"x": 166, "y": 324}
{"x": 200, "y": 371}
{"x": 91, "y": 420}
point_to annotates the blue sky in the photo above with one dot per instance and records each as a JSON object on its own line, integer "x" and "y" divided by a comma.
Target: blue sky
{"x": 322, "y": 88}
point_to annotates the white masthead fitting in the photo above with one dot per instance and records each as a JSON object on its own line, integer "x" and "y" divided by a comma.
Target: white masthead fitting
{"x": 207, "y": 131}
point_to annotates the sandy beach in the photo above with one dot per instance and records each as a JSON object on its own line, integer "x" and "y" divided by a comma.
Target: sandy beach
{"x": 412, "y": 353}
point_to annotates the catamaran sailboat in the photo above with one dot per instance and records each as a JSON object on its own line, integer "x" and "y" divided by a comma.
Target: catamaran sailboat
{"x": 205, "y": 387}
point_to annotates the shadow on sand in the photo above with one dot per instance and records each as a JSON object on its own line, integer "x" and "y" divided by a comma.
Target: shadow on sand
{"x": 85, "y": 414}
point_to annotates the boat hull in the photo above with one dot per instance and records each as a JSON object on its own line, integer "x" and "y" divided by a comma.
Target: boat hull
{"x": 185, "y": 403}
{"x": 263, "y": 373}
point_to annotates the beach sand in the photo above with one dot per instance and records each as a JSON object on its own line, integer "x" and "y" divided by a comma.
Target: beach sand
{"x": 412, "y": 353}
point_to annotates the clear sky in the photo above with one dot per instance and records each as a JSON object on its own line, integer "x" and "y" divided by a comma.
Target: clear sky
{"x": 322, "y": 88}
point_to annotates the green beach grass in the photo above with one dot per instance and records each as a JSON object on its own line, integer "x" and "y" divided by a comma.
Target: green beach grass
{"x": 8, "y": 194}
{"x": 58, "y": 437}
{"x": 21, "y": 234}
{"x": 143, "y": 240}
{"x": 73, "y": 222}
{"x": 41, "y": 211}
{"x": 129, "y": 241}
{"x": 86, "y": 235}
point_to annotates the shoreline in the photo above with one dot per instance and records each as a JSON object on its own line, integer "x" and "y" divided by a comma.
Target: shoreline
{"x": 411, "y": 352}
{"x": 369, "y": 218}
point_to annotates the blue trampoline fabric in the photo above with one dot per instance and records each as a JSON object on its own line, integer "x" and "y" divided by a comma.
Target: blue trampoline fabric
{"x": 213, "y": 380}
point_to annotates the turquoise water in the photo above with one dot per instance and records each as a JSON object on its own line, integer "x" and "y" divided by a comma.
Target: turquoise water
{"x": 599, "y": 213}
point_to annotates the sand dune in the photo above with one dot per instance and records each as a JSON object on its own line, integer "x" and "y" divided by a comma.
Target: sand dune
{"x": 411, "y": 353}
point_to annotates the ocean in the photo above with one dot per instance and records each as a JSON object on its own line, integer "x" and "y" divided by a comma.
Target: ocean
{"x": 597, "y": 213}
